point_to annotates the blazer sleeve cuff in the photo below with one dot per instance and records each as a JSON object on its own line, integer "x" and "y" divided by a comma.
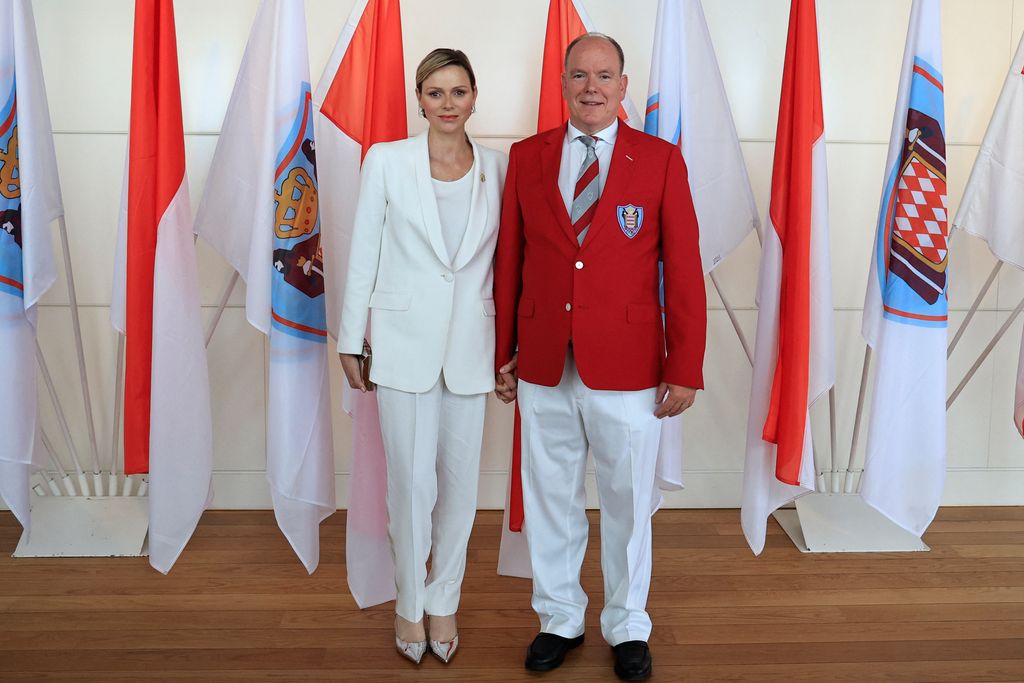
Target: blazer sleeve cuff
{"x": 350, "y": 345}
{"x": 682, "y": 375}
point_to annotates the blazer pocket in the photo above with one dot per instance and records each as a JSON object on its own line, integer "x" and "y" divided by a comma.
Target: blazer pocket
{"x": 525, "y": 308}
{"x": 488, "y": 307}
{"x": 642, "y": 313}
{"x": 390, "y": 301}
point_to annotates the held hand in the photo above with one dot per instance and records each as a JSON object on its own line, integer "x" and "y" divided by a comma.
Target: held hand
{"x": 506, "y": 381}
{"x": 350, "y": 364}
{"x": 673, "y": 399}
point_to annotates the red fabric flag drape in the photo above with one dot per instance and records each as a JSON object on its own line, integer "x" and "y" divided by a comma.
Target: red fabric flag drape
{"x": 801, "y": 125}
{"x": 156, "y": 169}
{"x": 366, "y": 99}
{"x": 564, "y": 25}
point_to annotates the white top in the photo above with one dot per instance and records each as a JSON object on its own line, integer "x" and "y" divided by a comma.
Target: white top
{"x": 453, "y": 200}
{"x": 573, "y": 154}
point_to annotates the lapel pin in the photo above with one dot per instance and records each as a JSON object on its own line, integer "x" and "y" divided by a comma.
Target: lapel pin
{"x": 483, "y": 178}
{"x": 629, "y": 157}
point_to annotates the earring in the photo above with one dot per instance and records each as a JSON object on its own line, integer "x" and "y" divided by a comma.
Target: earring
{"x": 423, "y": 114}
{"x": 473, "y": 110}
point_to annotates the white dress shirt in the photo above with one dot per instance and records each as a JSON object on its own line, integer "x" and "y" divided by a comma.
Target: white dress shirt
{"x": 573, "y": 154}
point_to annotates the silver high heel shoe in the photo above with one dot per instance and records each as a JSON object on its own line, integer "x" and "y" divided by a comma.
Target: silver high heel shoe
{"x": 412, "y": 651}
{"x": 445, "y": 649}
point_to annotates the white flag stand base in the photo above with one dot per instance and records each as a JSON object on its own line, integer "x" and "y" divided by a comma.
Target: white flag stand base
{"x": 86, "y": 527}
{"x": 843, "y": 523}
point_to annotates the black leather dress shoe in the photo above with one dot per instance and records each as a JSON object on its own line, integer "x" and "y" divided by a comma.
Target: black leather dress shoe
{"x": 547, "y": 651}
{"x": 632, "y": 660}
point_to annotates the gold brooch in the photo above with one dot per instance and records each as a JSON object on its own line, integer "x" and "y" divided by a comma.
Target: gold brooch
{"x": 483, "y": 178}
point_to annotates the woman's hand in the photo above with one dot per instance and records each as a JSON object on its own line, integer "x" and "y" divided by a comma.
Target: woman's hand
{"x": 506, "y": 380}
{"x": 350, "y": 364}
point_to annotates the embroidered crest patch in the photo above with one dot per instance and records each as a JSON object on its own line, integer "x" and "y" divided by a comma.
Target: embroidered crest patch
{"x": 631, "y": 219}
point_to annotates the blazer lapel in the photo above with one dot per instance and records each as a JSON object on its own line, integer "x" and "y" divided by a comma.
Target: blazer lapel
{"x": 551, "y": 162}
{"x": 477, "y": 212}
{"x": 620, "y": 171}
{"x": 428, "y": 202}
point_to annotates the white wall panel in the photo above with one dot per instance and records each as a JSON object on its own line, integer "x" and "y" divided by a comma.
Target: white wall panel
{"x": 86, "y": 50}
{"x": 861, "y": 47}
{"x": 975, "y": 39}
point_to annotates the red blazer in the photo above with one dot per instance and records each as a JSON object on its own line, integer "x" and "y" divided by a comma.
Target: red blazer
{"x": 604, "y": 294}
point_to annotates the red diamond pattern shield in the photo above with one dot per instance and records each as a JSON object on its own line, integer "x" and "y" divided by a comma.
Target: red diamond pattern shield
{"x": 921, "y": 211}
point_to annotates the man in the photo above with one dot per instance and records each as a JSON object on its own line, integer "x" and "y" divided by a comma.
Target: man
{"x": 588, "y": 211}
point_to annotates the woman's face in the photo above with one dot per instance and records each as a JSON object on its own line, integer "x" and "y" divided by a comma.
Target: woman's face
{"x": 447, "y": 99}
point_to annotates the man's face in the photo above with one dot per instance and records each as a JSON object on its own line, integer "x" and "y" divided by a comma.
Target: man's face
{"x": 593, "y": 85}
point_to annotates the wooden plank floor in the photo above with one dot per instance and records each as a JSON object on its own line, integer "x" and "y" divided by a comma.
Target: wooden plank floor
{"x": 239, "y": 607}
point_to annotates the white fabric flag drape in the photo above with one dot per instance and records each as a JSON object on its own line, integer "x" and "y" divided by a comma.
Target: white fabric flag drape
{"x": 687, "y": 106}
{"x": 30, "y": 200}
{"x": 905, "y": 308}
{"x": 794, "y": 357}
{"x": 260, "y": 212}
{"x": 992, "y": 207}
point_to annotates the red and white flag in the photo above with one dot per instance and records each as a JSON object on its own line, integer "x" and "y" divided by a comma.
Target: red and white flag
{"x": 259, "y": 211}
{"x": 992, "y": 207}
{"x": 567, "y": 20}
{"x": 794, "y": 359}
{"x": 155, "y": 302}
{"x": 30, "y": 200}
{"x": 360, "y": 101}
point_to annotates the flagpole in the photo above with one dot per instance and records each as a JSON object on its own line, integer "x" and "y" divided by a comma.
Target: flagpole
{"x": 115, "y": 439}
{"x": 66, "y": 482}
{"x": 819, "y": 481}
{"x": 865, "y": 366}
{"x": 834, "y": 473}
{"x": 984, "y": 354}
{"x": 62, "y": 420}
{"x": 127, "y": 481}
{"x": 77, "y": 327}
{"x": 732, "y": 318}
{"x": 974, "y": 307}
{"x": 228, "y": 288}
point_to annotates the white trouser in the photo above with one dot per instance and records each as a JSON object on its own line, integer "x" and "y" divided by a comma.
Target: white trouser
{"x": 432, "y": 445}
{"x": 558, "y": 425}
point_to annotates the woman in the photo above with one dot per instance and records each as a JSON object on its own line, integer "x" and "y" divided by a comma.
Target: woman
{"x": 421, "y": 261}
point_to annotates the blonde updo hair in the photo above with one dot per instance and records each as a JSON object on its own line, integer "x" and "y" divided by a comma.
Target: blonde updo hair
{"x": 440, "y": 58}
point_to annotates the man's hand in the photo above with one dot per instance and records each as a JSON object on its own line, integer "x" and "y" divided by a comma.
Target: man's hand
{"x": 350, "y": 364}
{"x": 505, "y": 382}
{"x": 673, "y": 399}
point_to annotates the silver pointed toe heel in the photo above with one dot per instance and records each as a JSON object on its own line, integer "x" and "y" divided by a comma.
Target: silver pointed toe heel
{"x": 412, "y": 651}
{"x": 445, "y": 650}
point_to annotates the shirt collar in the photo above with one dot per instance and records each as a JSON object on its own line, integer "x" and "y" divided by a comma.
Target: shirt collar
{"x": 607, "y": 135}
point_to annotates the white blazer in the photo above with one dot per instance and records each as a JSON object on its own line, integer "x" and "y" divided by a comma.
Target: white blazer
{"x": 431, "y": 313}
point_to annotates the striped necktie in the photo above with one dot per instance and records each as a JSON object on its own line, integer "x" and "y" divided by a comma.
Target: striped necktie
{"x": 584, "y": 198}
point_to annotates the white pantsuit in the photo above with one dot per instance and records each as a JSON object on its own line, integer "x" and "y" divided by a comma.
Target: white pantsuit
{"x": 558, "y": 425}
{"x": 432, "y": 443}
{"x": 431, "y": 315}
